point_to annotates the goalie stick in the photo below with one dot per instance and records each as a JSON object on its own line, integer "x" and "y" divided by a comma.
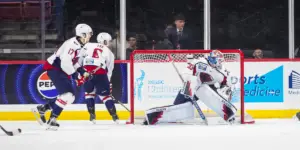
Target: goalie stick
{"x": 194, "y": 102}
{"x": 11, "y": 133}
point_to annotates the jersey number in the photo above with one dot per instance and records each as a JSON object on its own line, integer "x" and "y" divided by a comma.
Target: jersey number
{"x": 71, "y": 51}
{"x": 95, "y": 53}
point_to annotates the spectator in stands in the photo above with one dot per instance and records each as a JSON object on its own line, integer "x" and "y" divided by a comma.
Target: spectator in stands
{"x": 180, "y": 36}
{"x": 132, "y": 41}
{"x": 258, "y": 54}
{"x": 166, "y": 43}
{"x": 142, "y": 42}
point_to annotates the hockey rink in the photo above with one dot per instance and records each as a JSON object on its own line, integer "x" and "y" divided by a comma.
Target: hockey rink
{"x": 280, "y": 134}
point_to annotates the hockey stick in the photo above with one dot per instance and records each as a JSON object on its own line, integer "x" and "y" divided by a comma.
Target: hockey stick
{"x": 120, "y": 103}
{"x": 194, "y": 102}
{"x": 11, "y": 133}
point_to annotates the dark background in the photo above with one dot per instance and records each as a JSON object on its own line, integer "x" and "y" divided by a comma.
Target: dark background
{"x": 235, "y": 24}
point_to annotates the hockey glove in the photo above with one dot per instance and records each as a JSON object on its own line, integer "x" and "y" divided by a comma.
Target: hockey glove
{"x": 80, "y": 81}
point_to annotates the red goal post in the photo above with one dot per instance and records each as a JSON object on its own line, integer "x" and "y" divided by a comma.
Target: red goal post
{"x": 154, "y": 66}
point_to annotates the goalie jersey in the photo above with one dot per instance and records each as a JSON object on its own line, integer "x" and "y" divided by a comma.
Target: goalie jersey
{"x": 98, "y": 59}
{"x": 206, "y": 74}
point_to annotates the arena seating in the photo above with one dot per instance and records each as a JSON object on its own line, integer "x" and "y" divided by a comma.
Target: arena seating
{"x": 10, "y": 9}
{"x": 32, "y": 9}
{"x": 23, "y": 9}
{"x": 20, "y": 23}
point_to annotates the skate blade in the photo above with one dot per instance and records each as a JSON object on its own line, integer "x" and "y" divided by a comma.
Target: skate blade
{"x": 295, "y": 118}
{"x": 93, "y": 121}
{"x": 117, "y": 122}
{"x": 51, "y": 128}
{"x": 36, "y": 115}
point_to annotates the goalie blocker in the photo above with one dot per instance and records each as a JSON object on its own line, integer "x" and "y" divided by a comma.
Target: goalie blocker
{"x": 182, "y": 109}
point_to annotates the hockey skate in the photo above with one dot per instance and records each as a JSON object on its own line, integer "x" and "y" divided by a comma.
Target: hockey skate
{"x": 115, "y": 118}
{"x": 52, "y": 124}
{"x": 92, "y": 113}
{"x": 145, "y": 122}
{"x": 93, "y": 118}
{"x": 231, "y": 120}
{"x": 297, "y": 116}
{"x": 39, "y": 113}
{"x": 114, "y": 115}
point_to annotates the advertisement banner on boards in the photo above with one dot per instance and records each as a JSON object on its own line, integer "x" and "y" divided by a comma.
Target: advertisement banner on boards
{"x": 264, "y": 82}
{"x": 30, "y": 84}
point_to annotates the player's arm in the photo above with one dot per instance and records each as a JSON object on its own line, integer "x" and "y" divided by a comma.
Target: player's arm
{"x": 79, "y": 64}
{"x": 66, "y": 59}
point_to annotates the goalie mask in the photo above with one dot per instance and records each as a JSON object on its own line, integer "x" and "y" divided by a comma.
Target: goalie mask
{"x": 215, "y": 59}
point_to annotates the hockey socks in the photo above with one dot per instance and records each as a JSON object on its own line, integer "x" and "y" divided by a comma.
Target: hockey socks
{"x": 90, "y": 103}
{"x": 56, "y": 110}
{"x": 110, "y": 105}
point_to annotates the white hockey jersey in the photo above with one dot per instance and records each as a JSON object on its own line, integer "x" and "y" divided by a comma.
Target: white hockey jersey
{"x": 99, "y": 59}
{"x": 206, "y": 74}
{"x": 66, "y": 57}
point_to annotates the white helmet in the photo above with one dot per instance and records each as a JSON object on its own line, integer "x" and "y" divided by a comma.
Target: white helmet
{"x": 104, "y": 38}
{"x": 84, "y": 31}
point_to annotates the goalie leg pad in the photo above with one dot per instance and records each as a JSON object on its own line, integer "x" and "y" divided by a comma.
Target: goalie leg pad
{"x": 172, "y": 113}
{"x": 181, "y": 98}
{"x": 215, "y": 101}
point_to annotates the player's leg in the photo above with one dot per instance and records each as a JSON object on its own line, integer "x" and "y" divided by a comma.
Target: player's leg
{"x": 103, "y": 90}
{"x": 41, "y": 109}
{"x": 90, "y": 94}
{"x": 183, "y": 94}
{"x": 216, "y": 101}
{"x": 181, "y": 109}
{"x": 65, "y": 95}
{"x": 168, "y": 114}
{"x": 181, "y": 98}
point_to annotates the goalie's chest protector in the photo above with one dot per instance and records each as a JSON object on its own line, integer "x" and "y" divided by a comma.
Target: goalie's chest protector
{"x": 207, "y": 74}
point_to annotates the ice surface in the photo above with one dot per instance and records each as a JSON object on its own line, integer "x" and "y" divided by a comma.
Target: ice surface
{"x": 82, "y": 135}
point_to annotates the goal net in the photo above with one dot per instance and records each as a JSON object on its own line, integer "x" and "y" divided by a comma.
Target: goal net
{"x": 155, "y": 81}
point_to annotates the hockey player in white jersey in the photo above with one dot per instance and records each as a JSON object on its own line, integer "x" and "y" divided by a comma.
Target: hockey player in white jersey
{"x": 212, "y": 88}
{"x": 60, "y": 67}
{"x": 99, "y": 62}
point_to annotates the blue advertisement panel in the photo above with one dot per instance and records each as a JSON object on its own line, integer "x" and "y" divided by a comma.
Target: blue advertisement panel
{"x": 30, "y": 84}
{"x": 267, "y": 87}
